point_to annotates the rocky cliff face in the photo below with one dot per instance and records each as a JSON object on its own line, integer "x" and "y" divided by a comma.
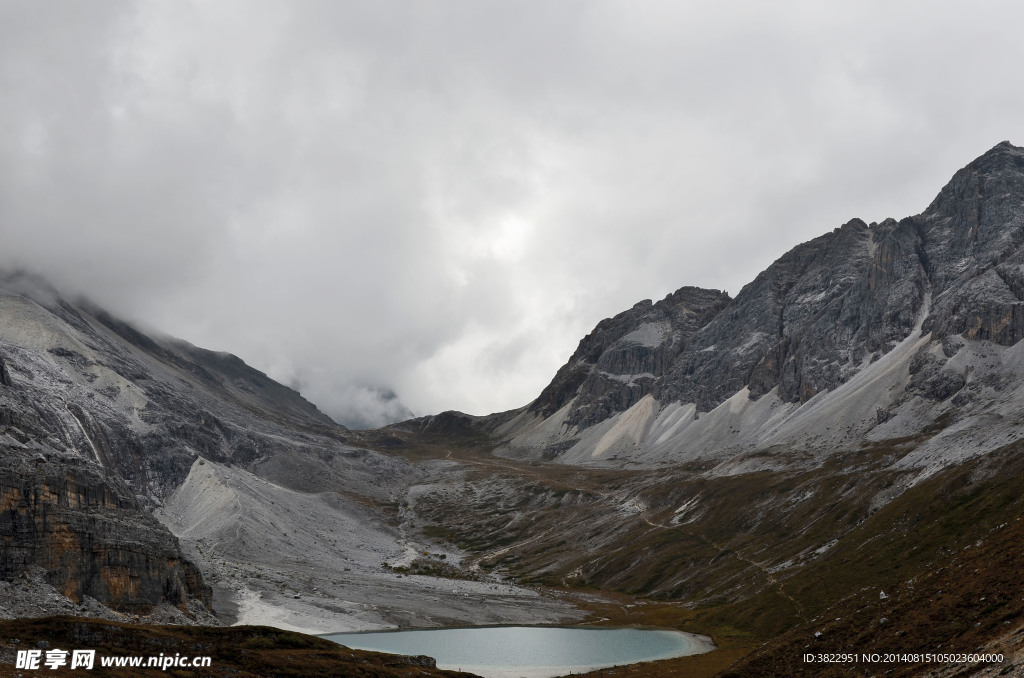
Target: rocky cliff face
{"x": 809, "y": 330}
{"x": 90, "y": 536}
{"x": 624, "y": 357}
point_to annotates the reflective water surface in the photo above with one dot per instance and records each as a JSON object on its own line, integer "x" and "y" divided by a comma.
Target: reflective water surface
{"x": 532, "y": 651}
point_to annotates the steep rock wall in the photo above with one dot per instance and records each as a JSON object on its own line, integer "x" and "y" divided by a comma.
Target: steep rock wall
{"x": 90, "y": 535}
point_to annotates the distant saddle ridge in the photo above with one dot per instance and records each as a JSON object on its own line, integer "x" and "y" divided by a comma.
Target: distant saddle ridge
{"x": 807, "y": 334}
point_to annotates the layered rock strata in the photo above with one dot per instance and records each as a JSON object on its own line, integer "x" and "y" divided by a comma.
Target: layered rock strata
{"x": 90, "y": 536}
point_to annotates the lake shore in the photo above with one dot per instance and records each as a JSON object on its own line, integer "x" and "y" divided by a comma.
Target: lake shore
{"x": 533, "y": 651}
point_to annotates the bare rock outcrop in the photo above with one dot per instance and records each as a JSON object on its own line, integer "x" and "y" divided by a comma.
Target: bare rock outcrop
{"x": 90, "y": 536}
{"x": 620, "y": 361}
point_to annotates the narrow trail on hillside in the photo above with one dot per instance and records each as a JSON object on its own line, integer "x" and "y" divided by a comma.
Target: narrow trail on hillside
{"x": 771, "y": 578}
{"x": 547, "y": 479}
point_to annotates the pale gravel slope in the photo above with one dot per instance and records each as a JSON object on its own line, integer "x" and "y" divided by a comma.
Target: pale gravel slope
{"x": 314, "y": 562}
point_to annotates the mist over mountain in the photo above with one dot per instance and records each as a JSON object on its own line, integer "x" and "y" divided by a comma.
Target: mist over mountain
{"x": 839, "y": 443}
{"x": 442, "y": 201}
{"x": 370, "y": 407}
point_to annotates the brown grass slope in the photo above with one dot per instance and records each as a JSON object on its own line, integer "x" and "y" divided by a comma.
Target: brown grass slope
{"x": 949, "y": 557}
{"x": 748, "y": 570}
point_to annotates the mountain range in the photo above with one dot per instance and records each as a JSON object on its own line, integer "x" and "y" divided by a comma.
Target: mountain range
{"x": 865, "y": 334}
{"x": 838, "y": 445}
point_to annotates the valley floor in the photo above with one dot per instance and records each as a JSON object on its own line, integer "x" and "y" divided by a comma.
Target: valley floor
{"x": 324, "y": 563}
{"x": 761, "y": 562}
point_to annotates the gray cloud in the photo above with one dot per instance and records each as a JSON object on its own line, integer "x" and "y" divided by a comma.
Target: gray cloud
{"x": 441, "y": 198}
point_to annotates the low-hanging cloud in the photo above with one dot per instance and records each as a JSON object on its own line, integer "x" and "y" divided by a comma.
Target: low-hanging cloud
{"x": 440, "y": 199}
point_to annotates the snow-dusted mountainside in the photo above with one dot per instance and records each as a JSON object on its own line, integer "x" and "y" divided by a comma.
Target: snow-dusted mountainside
{"x": 101, "y": 423}
{"x": 867, "y": 333}
{"x": 141, "y": 475}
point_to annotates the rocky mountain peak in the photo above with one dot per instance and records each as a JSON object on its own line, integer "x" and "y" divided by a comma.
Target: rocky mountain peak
{"x": 618, "y": 362}
{"x": 810, "y": 323}
{"x": 995, "y": 176}
{"x": 22, "y": 283}
{"x": 1002, "y": 150}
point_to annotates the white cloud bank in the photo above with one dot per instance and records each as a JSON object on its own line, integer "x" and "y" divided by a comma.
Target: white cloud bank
{"x": 442, "y": 198}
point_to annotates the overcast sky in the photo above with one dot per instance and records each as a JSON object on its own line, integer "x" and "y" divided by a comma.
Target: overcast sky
{"x": 441, "y": 198}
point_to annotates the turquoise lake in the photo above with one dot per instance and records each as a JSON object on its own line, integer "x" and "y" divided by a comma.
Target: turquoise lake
{"x": 530, "y": 651}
